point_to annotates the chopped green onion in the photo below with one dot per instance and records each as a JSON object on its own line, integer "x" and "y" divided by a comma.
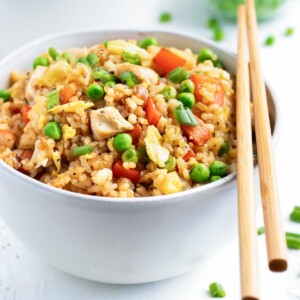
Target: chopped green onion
{"x": 177, "y": 75}
{"x": 129, "y": 79}
{"x": 40, "y": 61}
{"x": 185, "y": 116}
{"x": 103, "y": 75}
{"x": 130, "y": 155}
{"x": 295, "y": 215}
{"x": 290, "y": 31}
{"x": 187, "y": 99}
{"x": 270, "y": 41}
{"x": 82, "y": 150}
{"x": 53, "y": 130}
{"x": 165, "y": 17}
{"x": 260, "y": 230}
{"x": 216, "y": 290}
{"x": 110, "y": 84}
{"x": 143, "y": 155}
{"x": 292, "y": 241}
{"x": 295, "y": 235}
{"x": 170, "y": 164}
{"x": 225, "y": 147}
{"x": 52, "y": 99}
{"x": 169, "y": 92}
{"x": 187, "y": 86}
{"x": 145, "y": 43}
{"x": 5, "y": 95}
{"x": 105, "y": 44}
{"x": 53, "y": 53}
{"x": 83, "y": 60}
{"x": 93, "y": 59}
{"x": 219, "y": 35}
{"x": 131, "y": 58}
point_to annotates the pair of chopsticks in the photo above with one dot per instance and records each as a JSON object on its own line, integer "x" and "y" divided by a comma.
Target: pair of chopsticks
{"x": 276, "y": 245}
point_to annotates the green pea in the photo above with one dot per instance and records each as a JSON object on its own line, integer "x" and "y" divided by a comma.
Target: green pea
{"x": 187, "y": 99}
{"x": 218, "y": 64}
{"x": 131, "y": 58}
{"x": 170, "y": 164}
{"x": 53, "y": 53}
{"x": 169, "y": 92}
{"x": 122, "y": 142}
{"x": 130, "y": 155}
{"x": 5, "y": 95}
{"x": 165, "y": 17}
{"x": 213, "y": 24}
{"x": 53, "y": 130}
{"x": 143, "y": 155}
{"x": 219, "y": 168}
{"x": 205, "y": 54}
{"x": 82, "y": 150}
{"x": 214, "y": 178}
{"x": 40, "y": 61}
{"x": 110, "y": 84}
{"x": 93, "y": 59}
{"x": 200, "y": 173}
{"x": 177, "y": 75}
{"x": 129, "y": 79}
{"x": 95, "y": 92}
{"x": 219, "y": 35}
{"x": 82, "y": 60}
{"x": 225, "y": 147}
{"x": 270, "y": 41}
{"x": 145, "y": 43}
{"x": 187, "y": 86}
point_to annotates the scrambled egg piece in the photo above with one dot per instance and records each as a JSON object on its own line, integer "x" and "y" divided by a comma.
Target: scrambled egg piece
{"x": 42, "y": 122}
{"x": 168, "y": 183}
{"x": 58, "y": 73}
{"x": 157, "y": 153}
{"x": 57, "y": 160}
{"x": 68, "y": 132}
{"x": 73, "y": 107}
{"x": 120, "y": 46}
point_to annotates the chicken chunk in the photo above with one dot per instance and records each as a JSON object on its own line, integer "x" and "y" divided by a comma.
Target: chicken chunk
{"x": 37, "y": 74}
{"x": 144, "y": 74}
{"x": 107, "y": 122}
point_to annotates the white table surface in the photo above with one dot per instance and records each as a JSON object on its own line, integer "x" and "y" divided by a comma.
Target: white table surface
{"x": 24, "y": 277}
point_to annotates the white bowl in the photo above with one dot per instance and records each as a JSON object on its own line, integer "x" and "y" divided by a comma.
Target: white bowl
{"x": 119, "y": 240}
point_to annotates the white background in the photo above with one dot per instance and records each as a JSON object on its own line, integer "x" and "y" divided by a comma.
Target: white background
{"x": 24, "y": 277}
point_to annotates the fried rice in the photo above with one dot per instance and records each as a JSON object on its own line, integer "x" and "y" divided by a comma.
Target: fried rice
{"x": 140, "y": 109}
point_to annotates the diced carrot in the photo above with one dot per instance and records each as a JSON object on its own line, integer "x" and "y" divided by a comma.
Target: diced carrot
{"x": 119, "y": 171}
{"x": 153, "y": 114}
{"x": 167, "y": 61}
{"x": 198, "y": 135}
{"x": 189, "y": 154}
{"x": 26, "y": 154}
{"x": 202, "y": 80}
{"x": 68, "y": 92}
{"x": 25, "y": 110}
{"x": 136, "y": 133}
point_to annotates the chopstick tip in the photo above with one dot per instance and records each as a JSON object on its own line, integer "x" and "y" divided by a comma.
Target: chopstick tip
{"x": 278, "y": 265}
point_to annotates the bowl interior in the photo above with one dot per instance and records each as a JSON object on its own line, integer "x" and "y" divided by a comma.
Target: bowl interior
{"x": 22, "y": 60}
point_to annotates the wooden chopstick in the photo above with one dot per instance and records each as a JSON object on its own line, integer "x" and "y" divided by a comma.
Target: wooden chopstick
{"x": 245, "y": 174}
{"x": 276, "y": 244}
